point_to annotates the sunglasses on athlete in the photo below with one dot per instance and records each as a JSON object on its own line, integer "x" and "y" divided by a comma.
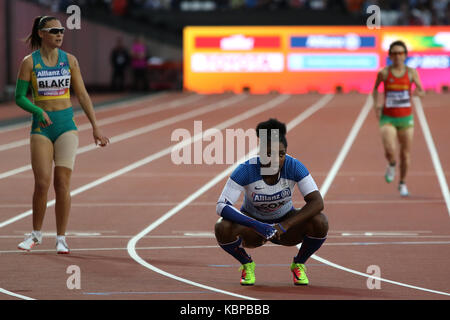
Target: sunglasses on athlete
{"x": 54, "y": 30}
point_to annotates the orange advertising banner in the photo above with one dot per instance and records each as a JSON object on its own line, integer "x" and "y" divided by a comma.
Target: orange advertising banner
{"x": 305, "y": 59}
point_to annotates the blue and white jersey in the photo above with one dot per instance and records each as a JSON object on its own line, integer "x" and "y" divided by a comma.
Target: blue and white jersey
{"x": 262, "y": 201}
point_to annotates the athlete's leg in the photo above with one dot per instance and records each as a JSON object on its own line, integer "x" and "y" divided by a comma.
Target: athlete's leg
{"x": 389, "y": 140}
{"x": 316, "y": 227}
{"x": 312, "y": 235}
{"x": 65, "y": 151}
{"x": 63, "y": 199}
{"x": 405, "y": 138}
{"x": 41, "y": 162}
{"x": 232, "y": 238}
{"x": 227, "y": 231}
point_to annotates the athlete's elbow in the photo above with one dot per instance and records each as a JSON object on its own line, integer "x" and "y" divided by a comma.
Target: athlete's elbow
{"x": 219, "y": 208}
{"x": 319, "y": 206}
{"x": 316, "y": 206}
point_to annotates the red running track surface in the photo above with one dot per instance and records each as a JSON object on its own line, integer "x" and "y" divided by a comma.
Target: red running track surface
{"x": 370, "y": 225}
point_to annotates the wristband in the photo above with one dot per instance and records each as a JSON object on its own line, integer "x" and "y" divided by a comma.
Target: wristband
{"x": 281, "y": 227}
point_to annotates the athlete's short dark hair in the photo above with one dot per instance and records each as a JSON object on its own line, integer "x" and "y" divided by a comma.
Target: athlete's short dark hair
{"x": 273, "y": 124}
{"x": 398, "y": 43}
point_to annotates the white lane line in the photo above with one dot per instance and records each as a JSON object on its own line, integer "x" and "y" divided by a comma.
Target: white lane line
{"x": 327, "y": 183}
{"x": 334, "y": 265}
{"x": 433, "y": 152}
{"x": 245, "y": 115}
{"x": 146, "y": 129}
{"x": 106, "y": 107}
{"x": 215, "y": 246}
{"x": 213, "y": 182}
{"x": 346, "y": 147}
{"x": 114, "y": 119}
{"x": 211, "y": 236}
{"x": 213, "y": 204}
{"x": 9, "y": 293}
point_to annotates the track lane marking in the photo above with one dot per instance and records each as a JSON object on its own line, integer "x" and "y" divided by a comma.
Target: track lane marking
{"x": 144, "y": 110}
{"x": 433, "y": 152}
{"x": 145, "y": 129}
{"x": 137, "y": 164}
{"x": 131, "y": 102}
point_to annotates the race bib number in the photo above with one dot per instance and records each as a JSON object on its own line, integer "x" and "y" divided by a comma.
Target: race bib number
{"x": 398, "y": 99}
{"x": 53, "y": 82}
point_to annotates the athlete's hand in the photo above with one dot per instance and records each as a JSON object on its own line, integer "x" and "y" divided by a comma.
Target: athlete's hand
{"x": 280, "y": 230}
{"x": 47, "y": 122}
{"x": 378, "y": 111}
{"x": 99, "y": 138}
{"x": 266, "y": 230}
{"x": 418, "y": 93}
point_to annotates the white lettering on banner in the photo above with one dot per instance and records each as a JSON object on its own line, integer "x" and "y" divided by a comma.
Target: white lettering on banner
{"x": 443, "y": 38}
{"x": 237, "y": 42}
{"x": 428, "y": 62}
{"x": 237, "y": 62}
{"x": 350, "y": 41}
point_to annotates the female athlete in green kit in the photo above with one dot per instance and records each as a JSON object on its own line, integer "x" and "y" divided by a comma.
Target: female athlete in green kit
{"x": 51, "y": 72}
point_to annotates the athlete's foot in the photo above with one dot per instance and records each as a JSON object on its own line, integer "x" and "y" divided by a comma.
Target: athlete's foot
{"x": 62, "y": 247}
{"x": 248, "y": 274}
{"x": 403, "y": 190}
{"x": 299, "y": 273}
{"x": 390, "y": 173}
{"x": 30, "y": 241}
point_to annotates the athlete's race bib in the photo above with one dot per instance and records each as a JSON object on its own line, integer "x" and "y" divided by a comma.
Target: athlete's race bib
{"x": 54, "y": 82}
{"x": 398, "y": 99}
{"x": 270, "y": 203}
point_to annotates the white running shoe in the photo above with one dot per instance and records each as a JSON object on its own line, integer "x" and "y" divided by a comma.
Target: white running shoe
{"x": 61, "y": 246}
{"x": 30, "y": 241}
{"x": 390, "y": 173}
{"x": 403, "y": 190}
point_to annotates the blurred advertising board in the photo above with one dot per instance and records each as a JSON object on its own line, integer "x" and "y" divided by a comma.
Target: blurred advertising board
{"x": 304, "y": 59}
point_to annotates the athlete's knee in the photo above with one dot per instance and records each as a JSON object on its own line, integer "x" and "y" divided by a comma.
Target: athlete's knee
{"x": 253, "y": 242}
{"x": 222, "y": 227}
{"x": 42, "y": 184}
{"x": 320, "y": 225}
{"x": 62, "y": 183}
{"x": 405, "y": 155}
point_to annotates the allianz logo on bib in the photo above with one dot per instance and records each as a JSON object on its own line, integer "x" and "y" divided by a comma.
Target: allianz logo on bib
{"x": 271, "y": 197}
{"x": 49, "y": 73}
{"x": 53, "y": 73}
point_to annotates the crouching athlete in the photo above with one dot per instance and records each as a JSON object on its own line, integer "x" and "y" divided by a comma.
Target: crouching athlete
{"x": 267, "y": 213}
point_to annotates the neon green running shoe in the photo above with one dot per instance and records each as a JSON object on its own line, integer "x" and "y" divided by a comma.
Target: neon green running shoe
{"x": 248, "y": 274}
{"x": 299, "y": 272}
